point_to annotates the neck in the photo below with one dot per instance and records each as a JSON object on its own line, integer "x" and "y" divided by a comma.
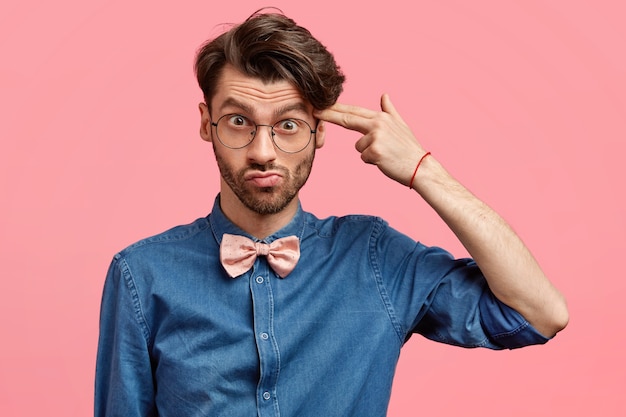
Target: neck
{"x": 257, "y": 225}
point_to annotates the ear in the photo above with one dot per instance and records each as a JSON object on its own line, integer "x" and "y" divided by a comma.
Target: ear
{"x": 320, "y": 134}
{"x": 205, "y": 123}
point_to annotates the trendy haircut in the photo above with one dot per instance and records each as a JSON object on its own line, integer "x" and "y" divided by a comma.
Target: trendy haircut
{"x": 272, "y": 47}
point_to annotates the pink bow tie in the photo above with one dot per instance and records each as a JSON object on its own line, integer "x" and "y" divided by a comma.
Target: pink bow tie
{"x": 238, "y": 253}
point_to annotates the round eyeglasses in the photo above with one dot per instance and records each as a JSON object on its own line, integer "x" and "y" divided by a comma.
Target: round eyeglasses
{"x": 289, "y": 135}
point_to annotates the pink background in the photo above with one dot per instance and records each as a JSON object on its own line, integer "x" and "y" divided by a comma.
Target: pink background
{"x": 524, "y": 101}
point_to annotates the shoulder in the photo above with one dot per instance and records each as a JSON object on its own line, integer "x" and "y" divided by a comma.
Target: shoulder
{"x": 174, "y": 237}
{"x": 351, "y": 224}
{"x": 159, "y": 257}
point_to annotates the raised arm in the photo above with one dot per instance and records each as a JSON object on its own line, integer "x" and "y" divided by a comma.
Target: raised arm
{"x": 510, "y": 269}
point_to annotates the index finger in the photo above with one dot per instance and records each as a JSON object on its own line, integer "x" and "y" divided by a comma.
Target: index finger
{"x": 351, "y": 117}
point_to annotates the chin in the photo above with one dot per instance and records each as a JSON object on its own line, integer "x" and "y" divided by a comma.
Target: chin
{"x": 273, "y": 202}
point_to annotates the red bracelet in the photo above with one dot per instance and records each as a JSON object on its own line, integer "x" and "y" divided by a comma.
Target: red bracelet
{"x": 416, "y": 168}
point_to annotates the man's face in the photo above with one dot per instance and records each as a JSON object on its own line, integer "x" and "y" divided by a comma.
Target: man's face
{"x": 262, "y": 177}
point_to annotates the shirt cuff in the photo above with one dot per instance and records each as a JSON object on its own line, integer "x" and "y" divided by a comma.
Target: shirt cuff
{"x": 506, "y": 327}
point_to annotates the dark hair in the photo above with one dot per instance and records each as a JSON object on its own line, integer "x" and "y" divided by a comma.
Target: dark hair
{"x": 272, "y": 47}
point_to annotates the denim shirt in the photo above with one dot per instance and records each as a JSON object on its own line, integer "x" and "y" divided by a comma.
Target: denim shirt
{"x": 179, "y": 337}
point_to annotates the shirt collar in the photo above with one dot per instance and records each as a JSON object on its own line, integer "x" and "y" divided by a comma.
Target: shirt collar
{"x": 220, "y": 224}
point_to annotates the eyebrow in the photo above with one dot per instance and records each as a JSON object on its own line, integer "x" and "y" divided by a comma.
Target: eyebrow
{"x": 232, "y": 102}
{"x": 299, "y": 106}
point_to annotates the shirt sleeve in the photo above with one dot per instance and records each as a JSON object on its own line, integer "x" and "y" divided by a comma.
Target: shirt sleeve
{"x": 446, "y": 299}
{"x": 463, "y": 311}
{"x": 123, "y": 385}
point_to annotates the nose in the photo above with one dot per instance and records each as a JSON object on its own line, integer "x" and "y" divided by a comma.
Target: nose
{"x": 262, "y": 149}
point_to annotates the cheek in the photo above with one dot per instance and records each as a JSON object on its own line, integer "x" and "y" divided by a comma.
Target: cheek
{"x": 230, "y": 156}
{"x": 303, "y": 167}
{"x": 224, "y": 160}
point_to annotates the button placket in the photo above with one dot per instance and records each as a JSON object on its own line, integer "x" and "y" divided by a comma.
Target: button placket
{"x": 263, "y": 313}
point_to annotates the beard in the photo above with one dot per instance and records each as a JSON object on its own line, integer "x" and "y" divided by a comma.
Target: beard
{"x": 266, "y": 200}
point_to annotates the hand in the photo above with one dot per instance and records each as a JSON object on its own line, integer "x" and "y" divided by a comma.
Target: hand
{"x": 387, "y": 140}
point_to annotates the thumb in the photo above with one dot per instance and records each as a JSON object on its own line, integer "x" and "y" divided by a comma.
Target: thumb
{"x": 387, "y": 106}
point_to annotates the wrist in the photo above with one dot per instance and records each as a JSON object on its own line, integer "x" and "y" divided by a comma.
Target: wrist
{"x": 429, "y": 173}
{"x": 417, "y": 166}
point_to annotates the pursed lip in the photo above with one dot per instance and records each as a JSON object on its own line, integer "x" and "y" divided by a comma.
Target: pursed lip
{"x": 263, "y": 178}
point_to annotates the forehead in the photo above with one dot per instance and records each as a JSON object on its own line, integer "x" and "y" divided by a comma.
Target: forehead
{"x": 236, "y": 89}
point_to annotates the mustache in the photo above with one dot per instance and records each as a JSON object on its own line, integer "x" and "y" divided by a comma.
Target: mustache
{"x": 264, "y": 167}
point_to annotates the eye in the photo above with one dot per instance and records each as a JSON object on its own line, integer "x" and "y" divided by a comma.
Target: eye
{"x": 237, "y": 120}
{"x": 288, "y": 126}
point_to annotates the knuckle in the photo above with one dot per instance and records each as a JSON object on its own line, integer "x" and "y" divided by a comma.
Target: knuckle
{"x": 378, "y": 123}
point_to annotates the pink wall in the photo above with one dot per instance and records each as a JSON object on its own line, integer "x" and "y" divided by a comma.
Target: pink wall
{"x": 524, "y": 101}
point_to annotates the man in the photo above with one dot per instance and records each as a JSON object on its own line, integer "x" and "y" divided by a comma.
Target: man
{"x": 261, "y": 308}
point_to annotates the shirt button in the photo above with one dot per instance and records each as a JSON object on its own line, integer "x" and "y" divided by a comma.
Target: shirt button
{"x": 266, "y": 395}
{"x": 259, "y": 280}
{"x": 265, "y": 336}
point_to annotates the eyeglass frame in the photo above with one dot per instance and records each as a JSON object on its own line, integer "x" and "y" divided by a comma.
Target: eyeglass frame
{"x": 256, "y": 130}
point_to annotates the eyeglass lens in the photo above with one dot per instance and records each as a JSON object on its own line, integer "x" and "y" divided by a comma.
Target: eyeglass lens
{"x": 289, "y": 135}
